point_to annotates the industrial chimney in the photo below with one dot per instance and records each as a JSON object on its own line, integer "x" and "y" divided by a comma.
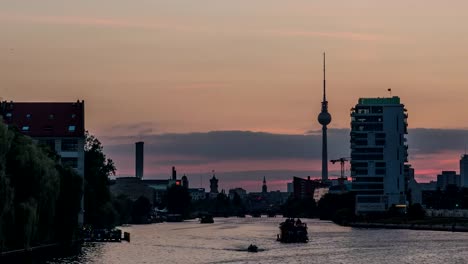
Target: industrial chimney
{"x": 139, "y": 154}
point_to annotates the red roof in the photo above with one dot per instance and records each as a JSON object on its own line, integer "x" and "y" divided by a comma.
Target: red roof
{"x": 45, "y": 119}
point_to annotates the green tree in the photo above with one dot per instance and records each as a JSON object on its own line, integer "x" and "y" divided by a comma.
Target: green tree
{"x": 416, "y": 212}
{"x": 178, "y": 200}
{"x": 331, "y": 203}
{"x": 36, "y": 184}
{"x": 34, "y": 193}
{"x": 123, "y": 207}
{"x": 99, "y": 211}
{"x": 295, "y": 207}
{"x": 6, "y": 191}
{"x": 141, "y": 209}
{"x": 68, "y": 204}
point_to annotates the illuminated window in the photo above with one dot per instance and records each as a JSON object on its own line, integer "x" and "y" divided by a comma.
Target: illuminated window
{"x": 25, "y": 128}
{"x": 28, "y": 116}
{"x": 71, "y": 128}
{"x": 8, "y": 115}
{"x": 73, "y": 116}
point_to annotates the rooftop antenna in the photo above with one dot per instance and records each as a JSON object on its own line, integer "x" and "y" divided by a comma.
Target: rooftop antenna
{"x": 390, "y": 91}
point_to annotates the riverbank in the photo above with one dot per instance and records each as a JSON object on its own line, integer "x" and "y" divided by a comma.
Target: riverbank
{"x": 41, "y": 252}
{"x": 429, "y": 227}
{"x": 427, "y": 223}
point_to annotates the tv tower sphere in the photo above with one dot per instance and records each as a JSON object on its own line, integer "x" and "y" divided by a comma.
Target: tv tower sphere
{"x": 324, "y": 118}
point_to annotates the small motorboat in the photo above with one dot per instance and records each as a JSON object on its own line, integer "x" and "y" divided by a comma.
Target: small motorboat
{"x": 206, "y": 219}
{"x": 252, "y": 248}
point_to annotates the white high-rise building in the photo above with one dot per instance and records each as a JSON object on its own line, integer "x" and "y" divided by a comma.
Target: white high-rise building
{"x": 378, "y": 153}
{"x": 464, "y": 170}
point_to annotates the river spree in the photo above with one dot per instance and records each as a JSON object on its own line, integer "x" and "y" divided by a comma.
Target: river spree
{"x": 226, "y": 241}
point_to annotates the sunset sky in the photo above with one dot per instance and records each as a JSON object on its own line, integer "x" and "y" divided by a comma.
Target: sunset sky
{"x": 195, "y": 79}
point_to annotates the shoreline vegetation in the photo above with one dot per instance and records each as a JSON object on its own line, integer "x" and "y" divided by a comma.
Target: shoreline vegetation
{"x": 39, "y": 197}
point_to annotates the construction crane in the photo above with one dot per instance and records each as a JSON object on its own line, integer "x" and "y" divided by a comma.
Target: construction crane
{"x": 342, "y": 162}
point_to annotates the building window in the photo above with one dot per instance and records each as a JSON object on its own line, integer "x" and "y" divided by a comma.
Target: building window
{"x": 28, "y": 116}
{"x": 71, "y": 162}
{"x": 380, "y": 142}
{"x": 368, "y": 199}
{"x": 71, "y": 128}
{"x": 73, "y": 116}
{"x": 25, "y": 128}
{"x": 48, "y": 128}
{"x": 70, "y": 145}
{"x": 51, "y": 116}
{"x": 380, "y": 171}
{"x": 9, "y": 115}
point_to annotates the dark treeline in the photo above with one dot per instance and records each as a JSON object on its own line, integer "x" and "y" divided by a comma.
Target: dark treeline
{"x": 39, "y": 198}
{"x": 329, "y": 207}
{"x": 221, "y": 205}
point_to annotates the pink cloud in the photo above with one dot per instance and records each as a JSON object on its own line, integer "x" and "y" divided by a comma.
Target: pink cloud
{"x": 428, "y": 166}
{"x": 97, "y": 22}
{"x": 323, "y": 34}
{"x": 157, "y": 165}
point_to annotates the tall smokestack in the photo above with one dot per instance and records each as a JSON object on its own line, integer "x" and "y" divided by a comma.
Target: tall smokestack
{"x": 139, "y": 154}
{"x": 174, "y": 173}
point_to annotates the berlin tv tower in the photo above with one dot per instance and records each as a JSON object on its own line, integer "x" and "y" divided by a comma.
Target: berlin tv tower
{"x": 324, "y": 118}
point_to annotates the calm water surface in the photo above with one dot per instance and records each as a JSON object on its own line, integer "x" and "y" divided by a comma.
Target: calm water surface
{"x": 226, "y": 240}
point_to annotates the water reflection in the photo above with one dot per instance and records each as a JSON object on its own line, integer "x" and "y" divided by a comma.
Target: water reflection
{"x": 226, "y": 240}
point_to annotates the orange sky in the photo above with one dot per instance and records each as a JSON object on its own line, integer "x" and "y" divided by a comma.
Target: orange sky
{"x": 182, "y": 66}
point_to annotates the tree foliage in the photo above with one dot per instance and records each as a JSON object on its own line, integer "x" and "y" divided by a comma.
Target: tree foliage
{"x": 31, "y": 182}
{"x": 99, "y": 210}
{"x": 178, "y": 200}
{"x": 331, "y": 203}
{"x": 141, "y": 210}
{"x": 295, "y": 207}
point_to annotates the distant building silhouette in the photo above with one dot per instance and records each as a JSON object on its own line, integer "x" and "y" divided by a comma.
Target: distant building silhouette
{"x": 241, "y": 192}
{"x": 153, "y": 189}
{"x": 447, "y": 178}
{"x": 214, "y": 184}
{"x": 174, "y": 173}
{"x": 264, "y": 186}
{"x": 185, "y": 182}
{"x": 139, "y": 157}
{"x": 305, "y": 188}
{"x": 378, "y": 153}
{"x": 413, "y": 188}
{"x": 464, "y": 170}
{"x": 60, "y": 126}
